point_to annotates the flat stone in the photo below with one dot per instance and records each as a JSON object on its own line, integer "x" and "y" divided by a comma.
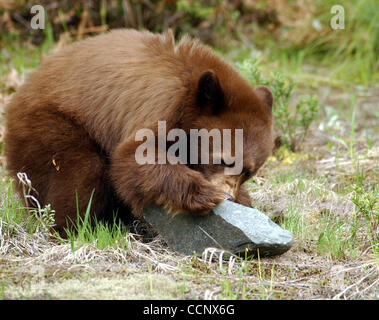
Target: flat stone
{"x": 230, "y": 227}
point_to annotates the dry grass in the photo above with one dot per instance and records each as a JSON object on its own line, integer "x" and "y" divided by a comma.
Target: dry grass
{"x": 33, "y": 266}
{"x": 299, "y": 190}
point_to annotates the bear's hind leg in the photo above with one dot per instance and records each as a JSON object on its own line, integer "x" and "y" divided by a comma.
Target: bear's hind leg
{"x": 61, "y": 160}
{"x": 80, "y": 175}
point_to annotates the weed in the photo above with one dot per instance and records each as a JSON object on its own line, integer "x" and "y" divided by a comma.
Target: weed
{"x": 352, "y": 128}
{"x": 14, "y": 215}
{"x": 294, "y": 222}
{"x": 367, "y": 209}
{"x": 150, "y": 280}
{"x": 227, "y": 292}
{"x": 292, "y": 124}
{"x": 335, "y": 238}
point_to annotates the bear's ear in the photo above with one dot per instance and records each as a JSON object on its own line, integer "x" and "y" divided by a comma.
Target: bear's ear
{"x": 264, "y": 94}
{"x": 209, "y": 92}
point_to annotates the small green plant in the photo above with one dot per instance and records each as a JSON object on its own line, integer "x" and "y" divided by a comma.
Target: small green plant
{"x": 292, "y": 123}
{"x": 196, "y": 9}
{"x": 335, "y": 238}
{"x": 45, "y": 217}
{"x": 367, "y": 210}
{"x": 88, "y": 230}
{"x": 14, "y": 214}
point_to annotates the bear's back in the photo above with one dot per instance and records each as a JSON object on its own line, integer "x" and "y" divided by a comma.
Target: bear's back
{"x": 116, "y": 83}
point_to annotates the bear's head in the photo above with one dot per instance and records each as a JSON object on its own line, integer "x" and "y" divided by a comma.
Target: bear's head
{"x": 235, "y": 121}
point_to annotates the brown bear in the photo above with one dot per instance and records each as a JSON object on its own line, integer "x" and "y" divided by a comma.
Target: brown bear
{"x": 71, "y": 127}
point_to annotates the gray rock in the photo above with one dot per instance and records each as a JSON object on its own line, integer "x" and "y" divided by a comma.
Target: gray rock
{"x": 231, "y": 227}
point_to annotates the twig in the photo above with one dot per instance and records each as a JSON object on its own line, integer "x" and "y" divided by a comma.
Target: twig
{"x": 365, "y": 289}
{"x": 351, "y": 286}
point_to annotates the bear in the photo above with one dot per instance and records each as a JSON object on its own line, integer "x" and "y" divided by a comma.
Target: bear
{"x": 71, "y": 127}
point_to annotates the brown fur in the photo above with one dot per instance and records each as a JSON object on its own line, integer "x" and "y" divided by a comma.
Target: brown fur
{"x": 71, "y": 126}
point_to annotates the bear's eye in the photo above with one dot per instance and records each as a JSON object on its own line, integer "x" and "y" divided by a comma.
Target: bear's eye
{"x": 247, "y": 174}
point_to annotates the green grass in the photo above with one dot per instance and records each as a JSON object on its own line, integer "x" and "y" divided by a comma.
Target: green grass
{"x": 349, "y": 56}
{"x": 102, "y": 235}
{"x": 318, "y": 227}
{"x": 367, "y": 214}
{"x": 17, "y": 55}
{"x": 14, "y": 215}
{"x": 87, "y": 230}
{"x": 295, "y": 223}
{"x": 335, "y": 238}
{"x": 23, "y": 57}
{"x": 352, "y": 129}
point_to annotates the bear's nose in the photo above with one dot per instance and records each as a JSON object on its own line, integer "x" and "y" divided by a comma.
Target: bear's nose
{"x": 229, "y": 196}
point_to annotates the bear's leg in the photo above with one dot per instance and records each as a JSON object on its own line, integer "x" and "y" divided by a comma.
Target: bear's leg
{"x": 61, "y": 160}
{"x": 81, "y": 175}
{"x": 243, "y": 197}
{"x": 174, "y": 186}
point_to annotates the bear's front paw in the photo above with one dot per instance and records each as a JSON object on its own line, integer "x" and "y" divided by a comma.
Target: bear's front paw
{"x": 197, "y": 198}
{"x": 202, "y": 202}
